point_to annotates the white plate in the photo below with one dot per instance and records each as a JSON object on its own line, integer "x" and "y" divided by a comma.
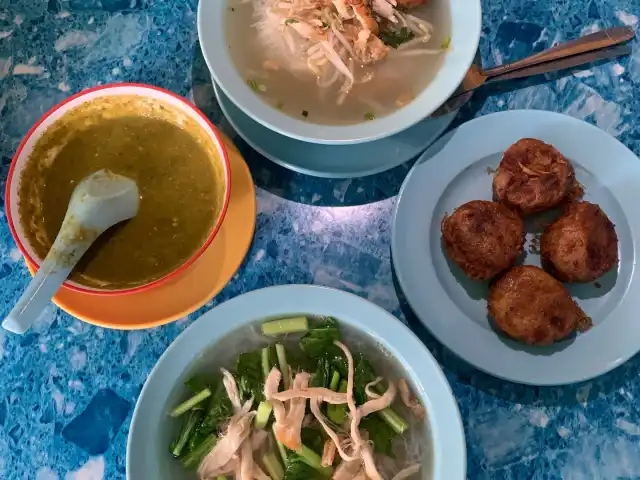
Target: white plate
{"x": 334, "y": 161}
{"x": 151, "y": 431}
{"x": 455, "y": 170}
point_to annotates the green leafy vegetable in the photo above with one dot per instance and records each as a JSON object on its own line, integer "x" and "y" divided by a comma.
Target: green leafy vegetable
{"x": 363, "y": 375}
{"x": 218, "y": 411}
{"x": 395, "y": 38}
{"x": 191, "y": 402}
{"x": 197, "y": 383}
{"x": 188, "y": 427}
{"x": 322, "y": 375}
{"x": 380, "y": 433}
{"x": 249, "y": 376}
{"x": 297, "y": 469}
{"x": 338, "y": 413}
{"x": 318, "y": 342}
{"x": 191, "y": 460}
{"x": 312, "y": 439}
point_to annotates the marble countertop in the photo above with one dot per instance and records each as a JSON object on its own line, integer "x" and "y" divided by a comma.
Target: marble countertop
{"x": 68, "y": 389}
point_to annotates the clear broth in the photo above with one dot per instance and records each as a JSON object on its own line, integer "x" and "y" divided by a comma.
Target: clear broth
{"x": 299, "y": 95}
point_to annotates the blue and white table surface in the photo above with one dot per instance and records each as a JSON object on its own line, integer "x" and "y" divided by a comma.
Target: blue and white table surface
{"x": 67, "y": 389}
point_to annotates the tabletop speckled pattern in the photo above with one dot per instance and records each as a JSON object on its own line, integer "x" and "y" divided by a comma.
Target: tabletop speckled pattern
{"x": 68, "y": 389}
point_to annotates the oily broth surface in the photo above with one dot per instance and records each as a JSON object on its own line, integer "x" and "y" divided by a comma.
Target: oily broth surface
{"x": 174, "y": 163}
{"x": 298, "y": 95}
{"x": 418, "y": 446}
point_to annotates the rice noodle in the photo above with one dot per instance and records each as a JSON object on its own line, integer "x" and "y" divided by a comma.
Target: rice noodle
{"x": 415, "y": 53}
{"x": 407, "y": 472}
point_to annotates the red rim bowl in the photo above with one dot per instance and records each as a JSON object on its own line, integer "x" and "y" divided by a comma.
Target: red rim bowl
{"x": 33, "y": 135}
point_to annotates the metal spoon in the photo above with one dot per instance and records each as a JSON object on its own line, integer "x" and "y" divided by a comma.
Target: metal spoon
{"x": 98, "y": 202}
{"x": 569, "y": 54}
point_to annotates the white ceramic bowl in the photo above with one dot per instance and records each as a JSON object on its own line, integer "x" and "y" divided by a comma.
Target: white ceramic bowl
{"x": 48, "y": 119}
{"x": 466, "y": 22}
{"x": 152, "y": 430}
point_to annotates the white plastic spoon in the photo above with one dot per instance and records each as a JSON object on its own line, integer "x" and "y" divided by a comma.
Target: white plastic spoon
{"x": 98, "y": 202}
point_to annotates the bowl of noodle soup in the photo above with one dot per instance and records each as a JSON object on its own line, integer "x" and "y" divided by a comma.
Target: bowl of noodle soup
{"x": 339, "y": 71}
{"x": 222, "y": 370}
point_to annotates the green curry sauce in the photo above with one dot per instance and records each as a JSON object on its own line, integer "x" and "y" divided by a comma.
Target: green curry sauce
{"x": 174, "y": 163}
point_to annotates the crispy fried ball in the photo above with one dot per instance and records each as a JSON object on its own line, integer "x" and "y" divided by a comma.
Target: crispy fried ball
{"x": 581, "y": 245}
{"x": 533, "y": 177}
{"x": 531, "y": 306}
{"x": 483, "y": 238}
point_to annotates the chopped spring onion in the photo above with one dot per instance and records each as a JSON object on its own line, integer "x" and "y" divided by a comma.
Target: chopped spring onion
{"x": 338, "y": 413}
{"x": 369, "y": 116}
{"x": 273, "y": 466}
{"x": 263, "y": 414}
{"x": 253, "y": 84}
{"x": 191, "y": 402}
{"x": 284, "y": 326}
{"x": 445, "y": 43}
{"x": 394, "y": 420}
{"x": 289, "y": 21}
{"x": 305, "y": 113}
{"x": 193, "y": 459}
{"x": 335, "y": 381}
{"x": 312, "y": 459}
{"x": 189, "y": 424}
{"x": 266, "y": 363}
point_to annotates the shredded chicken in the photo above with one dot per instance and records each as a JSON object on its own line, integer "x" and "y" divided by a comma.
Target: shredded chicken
{"x": 369, "y": 463}
{"x": 270, "y": 389}
{"x": 237, "y": 432}
{"x": 410, "y": 402}
{"x": 379, "y": 403}
{"x": 323, "y": 394}
{"x": 288, "y": 429}
{"x": 328, "y": 453}
{"x": 233, "y": 453}
{"x": 347, "y": 470}
{"x": 315, "y": 409}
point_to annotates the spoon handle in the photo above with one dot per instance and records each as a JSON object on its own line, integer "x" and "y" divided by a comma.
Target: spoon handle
{"x": 564, "y": 63}
{"x": 50, "y": 276}
{"x": 595, "y": 41}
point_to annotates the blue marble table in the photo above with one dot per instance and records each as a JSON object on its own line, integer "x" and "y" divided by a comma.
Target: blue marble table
{"x": 67, "y": 389}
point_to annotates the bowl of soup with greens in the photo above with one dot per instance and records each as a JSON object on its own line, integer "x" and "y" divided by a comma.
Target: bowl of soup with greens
{"x": 152, "y": 136}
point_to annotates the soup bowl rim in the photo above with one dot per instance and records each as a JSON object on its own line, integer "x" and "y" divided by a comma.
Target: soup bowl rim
{"x": 466, "y": 25}
{"x": 60, "y": 109}
{"x": 186, "y": 355}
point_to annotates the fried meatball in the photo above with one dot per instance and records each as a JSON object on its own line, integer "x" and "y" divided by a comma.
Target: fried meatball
{"x": 533, "y": 177}
{"x": 483, "y": 238}
{"x": 531, "y": 306}
{"x": 581, "y": 245}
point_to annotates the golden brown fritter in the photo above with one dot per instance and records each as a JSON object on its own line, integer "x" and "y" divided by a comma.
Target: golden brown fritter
{"x": 483, "y": 238}
{"x": 533, "y": 176}
{"x": 531, "y": 306}
{"x": 581, "y": 245}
